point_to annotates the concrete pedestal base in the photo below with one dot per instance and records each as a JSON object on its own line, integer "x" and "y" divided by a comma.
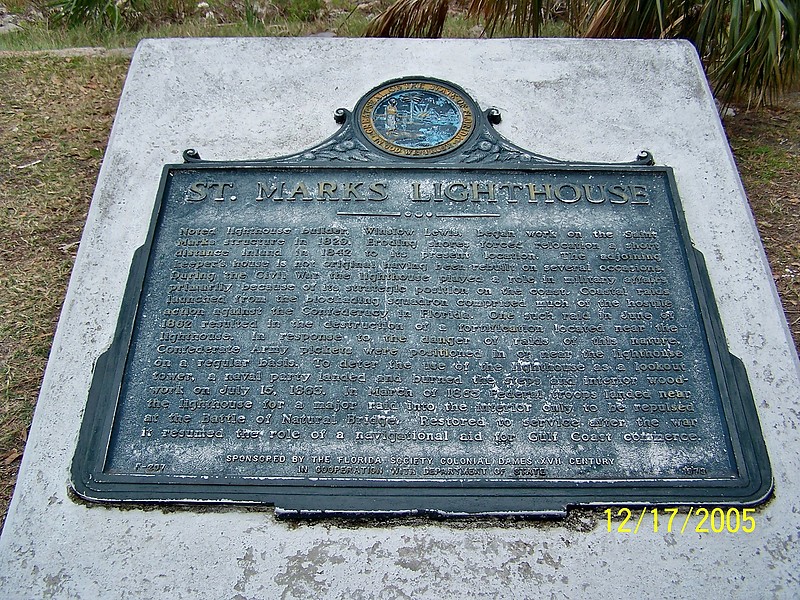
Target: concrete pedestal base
{"x": 255, "y": 98}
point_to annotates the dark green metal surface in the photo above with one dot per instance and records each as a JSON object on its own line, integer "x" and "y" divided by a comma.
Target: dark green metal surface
{"x": 470, "y": 328}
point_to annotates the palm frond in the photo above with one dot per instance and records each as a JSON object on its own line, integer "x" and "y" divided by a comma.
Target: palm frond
{"x": 761, "y": 56}
{"x": 522, "y": 17}
{"x": 750, "y": 48}
{"x": 575, "y": 13}
{"x": 410, "y": 18}
{"x": 643, "y": 19}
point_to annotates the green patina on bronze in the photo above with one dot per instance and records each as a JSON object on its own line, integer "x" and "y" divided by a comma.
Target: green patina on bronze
{"x": 419, "y": 316}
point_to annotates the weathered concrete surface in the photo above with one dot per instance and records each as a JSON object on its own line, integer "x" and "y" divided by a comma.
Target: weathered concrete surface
{"x": 249, "y": 98}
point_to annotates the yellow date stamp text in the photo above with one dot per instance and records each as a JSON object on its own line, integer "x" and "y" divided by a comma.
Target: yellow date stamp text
{"x": 669, "y": 520}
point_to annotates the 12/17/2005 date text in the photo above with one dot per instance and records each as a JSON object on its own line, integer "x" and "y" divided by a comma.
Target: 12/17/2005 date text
{"x": 715, "y": 520}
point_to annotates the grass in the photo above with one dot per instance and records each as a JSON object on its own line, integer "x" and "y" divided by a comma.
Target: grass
{"x": 183, "y": 18}
{"x": 766, "y": 145}
{"x": 55, "y": 115}
{"x": 39, "y": 36}
{"x": 343, "y": 18}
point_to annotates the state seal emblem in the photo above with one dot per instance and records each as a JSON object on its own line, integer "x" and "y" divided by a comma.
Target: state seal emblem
{"x": 416, "y": 117}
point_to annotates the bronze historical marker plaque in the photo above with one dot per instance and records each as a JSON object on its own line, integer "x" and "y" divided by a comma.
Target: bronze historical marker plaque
{"x": 414, "y": 316}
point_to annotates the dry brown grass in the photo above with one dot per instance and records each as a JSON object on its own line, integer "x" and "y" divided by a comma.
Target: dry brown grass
{"x": 766, "y": 144}
{"x": 55, "y": 115}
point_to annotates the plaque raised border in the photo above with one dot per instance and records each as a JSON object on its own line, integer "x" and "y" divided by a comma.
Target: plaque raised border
{"x": 395, "y": 133}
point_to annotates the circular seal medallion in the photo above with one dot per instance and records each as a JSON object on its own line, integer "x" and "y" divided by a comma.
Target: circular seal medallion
{"x": 417, "y": 118}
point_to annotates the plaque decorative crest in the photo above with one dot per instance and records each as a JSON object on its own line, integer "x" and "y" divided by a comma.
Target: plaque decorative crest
{"x": 419, "y": 316}
{"x": 416, "y": 118}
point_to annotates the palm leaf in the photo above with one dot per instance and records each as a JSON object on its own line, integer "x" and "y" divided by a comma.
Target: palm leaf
{"x": 750, "y": 48}
{"x": 761, "y": 56}
{"x": 522, "y": 17}
{"x": 425, "y": 18}
{"x": 643, "y": 19}
{"x": 410, "y": 18}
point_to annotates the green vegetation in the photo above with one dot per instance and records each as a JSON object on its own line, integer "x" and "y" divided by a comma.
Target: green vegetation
{"x": 344, "y": 18}
{"x": 766, "y": 145}
{"x": 112, "y": 24}
{"x": 40, "y": 36}
{"x": 767, "y": 163}
{"x": 55, "y": 114}
{"x": 751, "y": 48}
